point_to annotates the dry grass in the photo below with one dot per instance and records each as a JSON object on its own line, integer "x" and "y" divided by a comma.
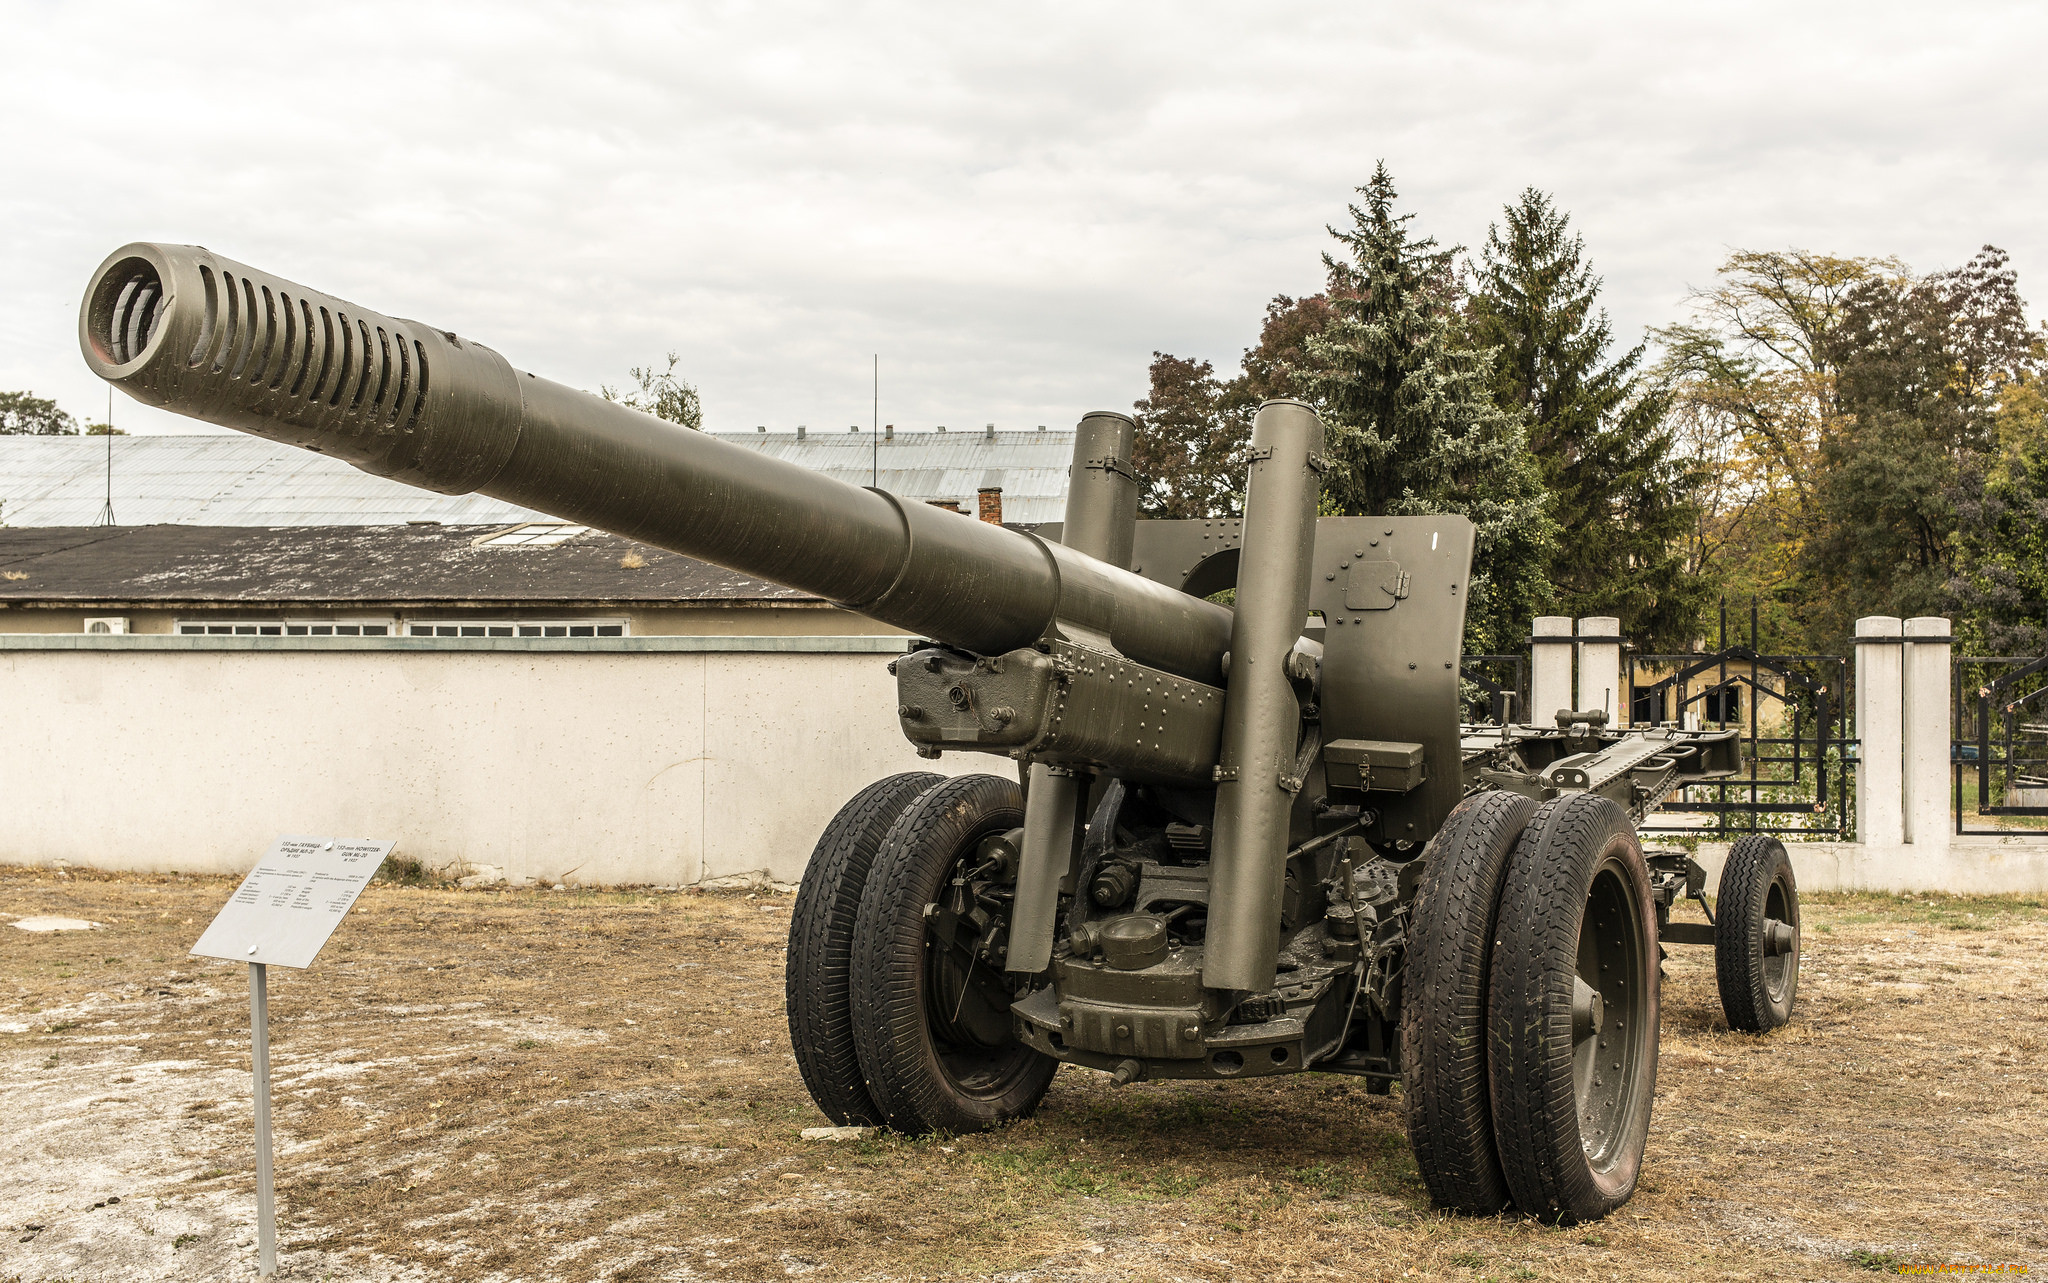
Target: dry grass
{"x": 533, "y": 1085}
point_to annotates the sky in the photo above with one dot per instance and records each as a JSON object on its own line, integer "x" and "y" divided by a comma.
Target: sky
{"x": 1013, "y": 206}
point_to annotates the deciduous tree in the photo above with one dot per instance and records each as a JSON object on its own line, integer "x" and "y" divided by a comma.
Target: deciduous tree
{"x": 27, "y": 415}
{"x": 1923, "y": 371}
{"x": 1999, "y": 590}
{"x": 1190, "y": 448}
{"x": 1752, "y": 382}
{"x": 662, "y": 394}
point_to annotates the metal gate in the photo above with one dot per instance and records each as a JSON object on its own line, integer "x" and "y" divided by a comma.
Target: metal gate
{"x": 1999, "y": 749}
{"x": 1502, "y": 688}
{"x": 1799, "y": 755}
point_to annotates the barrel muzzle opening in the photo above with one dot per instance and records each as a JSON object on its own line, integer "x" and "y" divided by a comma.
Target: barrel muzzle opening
{"x": 124, "y": 310}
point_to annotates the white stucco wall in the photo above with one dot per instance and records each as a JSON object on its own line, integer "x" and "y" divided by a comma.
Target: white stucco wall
{"x": 634, "y": 760}
{"x": 2016, "y": 864}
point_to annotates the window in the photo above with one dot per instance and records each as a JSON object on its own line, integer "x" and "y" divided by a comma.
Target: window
{"x": 516, "y": 628}
{"x": 286, "y": 628}
{"x": 1723, "y": 705}
{"x": 1646, "y": 706}
{"x": 534, "y": 534}
{"x": 231, "y": 628}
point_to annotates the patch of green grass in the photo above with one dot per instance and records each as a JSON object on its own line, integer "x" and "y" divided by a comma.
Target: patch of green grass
{"x": 527, "y": 1044}
{"x": 60, "y": 1026}
{"x": 405, "y": 871}
{"x": 1174, "y": 1184}
{"x": 1325, "y": 1179}
{"x": 1875, "y": 1262}
{"x": 1051, "y": 1171}
{"x": 1468, "y": 1260}
{"x": 184, "y": 1240}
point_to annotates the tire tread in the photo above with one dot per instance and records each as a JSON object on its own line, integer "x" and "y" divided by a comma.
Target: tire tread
{"x": 898, "y": 1065}
{"x": 821, "y": 925}
{"x": 1529, "y": 1024}
{"x": 1444, "y": 1002}
{"x": 1740, "y": 900}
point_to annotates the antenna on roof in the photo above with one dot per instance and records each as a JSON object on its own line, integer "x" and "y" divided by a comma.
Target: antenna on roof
{"x": 107, "y": 511}
{"x": 874, "y": 441}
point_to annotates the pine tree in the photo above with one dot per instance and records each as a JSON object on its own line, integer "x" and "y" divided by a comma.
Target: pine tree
{"x": 1620, "y": 500}
{"x": 1413, "y": 423}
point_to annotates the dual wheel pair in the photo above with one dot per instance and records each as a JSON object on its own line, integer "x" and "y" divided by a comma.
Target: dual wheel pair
{"x": 1529, "y": 1023}
{"x": 899, "y": 1014}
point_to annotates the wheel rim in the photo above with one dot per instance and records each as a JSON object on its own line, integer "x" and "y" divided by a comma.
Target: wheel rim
{"x": 966, "y": 1004}
{"x": 1780, "y": 942}
{"x": 1610, "y": 1016}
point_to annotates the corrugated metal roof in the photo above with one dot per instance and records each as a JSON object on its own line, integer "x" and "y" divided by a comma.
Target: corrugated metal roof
{"x": 238, "y": 480}
{"x": 350, "y": 564}
{"x": 1031, "y": 467}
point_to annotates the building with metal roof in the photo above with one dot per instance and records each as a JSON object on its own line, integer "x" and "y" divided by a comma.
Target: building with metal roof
{"x": 238, "y": 480}
{"x": 541, "y": 578}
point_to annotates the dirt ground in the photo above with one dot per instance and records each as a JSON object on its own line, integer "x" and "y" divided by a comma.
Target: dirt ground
{"x": 501, "y": 1085}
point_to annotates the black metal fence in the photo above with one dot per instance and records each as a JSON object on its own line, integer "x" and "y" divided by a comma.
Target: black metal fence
{"x": 1793, "y": 710}
{"x": 1497, "y": 688}
{"x": 1798, "y": 754}
{"x": 1999, "y": 747}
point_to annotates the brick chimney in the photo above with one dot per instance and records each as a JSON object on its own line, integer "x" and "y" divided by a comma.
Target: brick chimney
{"x": 950, "y": 505}
{"x": 989, "y": 499}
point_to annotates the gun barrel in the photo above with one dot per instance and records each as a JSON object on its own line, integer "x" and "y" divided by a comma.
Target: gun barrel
{"x": 178, "y": 327}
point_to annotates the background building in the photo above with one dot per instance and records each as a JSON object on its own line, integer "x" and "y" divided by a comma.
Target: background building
{"x": 237, "y": 480}
{"x": 274, "y": 642}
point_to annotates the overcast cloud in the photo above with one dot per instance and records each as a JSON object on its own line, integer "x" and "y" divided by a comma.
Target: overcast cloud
{"x": 1014, "y": 206}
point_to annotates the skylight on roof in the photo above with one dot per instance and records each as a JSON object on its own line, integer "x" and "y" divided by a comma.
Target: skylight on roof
{"x": 534, "y": 534}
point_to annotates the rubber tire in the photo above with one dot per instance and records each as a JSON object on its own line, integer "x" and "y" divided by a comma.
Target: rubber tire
{"x": 899, "y": 1058}
{"x": 815, "y": 974}
{"x": 1529, "y": 1019}
{"x": 1443, "y": 1002}
{"x": 1755, "y": 863}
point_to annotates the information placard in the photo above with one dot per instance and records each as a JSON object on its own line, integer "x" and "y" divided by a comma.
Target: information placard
{"x": 292, "y": 900}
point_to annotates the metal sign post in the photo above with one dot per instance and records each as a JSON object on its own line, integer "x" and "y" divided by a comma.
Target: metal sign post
{"x": 282, "y": 914}
{"x": 259, "y": 1059}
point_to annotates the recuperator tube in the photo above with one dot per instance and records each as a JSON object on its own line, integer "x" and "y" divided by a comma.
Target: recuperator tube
{"x": 1101, "y": 521}
{"x": 179, "y": 327}
{"x": 1261, "y": 715}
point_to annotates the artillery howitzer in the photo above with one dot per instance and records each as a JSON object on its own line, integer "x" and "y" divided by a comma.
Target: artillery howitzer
{"x": 1241, "y": 846}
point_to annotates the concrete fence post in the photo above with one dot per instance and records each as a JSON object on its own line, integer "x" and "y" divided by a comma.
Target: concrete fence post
{"x": 1550, "y": 669}
{"x": 1600, "y": 667}
{"x": 1880, "y": 758}
{"x": 1926, "y": 724}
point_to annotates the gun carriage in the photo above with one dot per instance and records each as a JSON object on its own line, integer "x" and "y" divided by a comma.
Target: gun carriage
{"x": 1243, "y": 841}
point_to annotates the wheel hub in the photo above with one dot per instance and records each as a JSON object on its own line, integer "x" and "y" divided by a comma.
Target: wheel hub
{"x": 1608, "y": 1022}
{"x": 1780, "y": 938}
